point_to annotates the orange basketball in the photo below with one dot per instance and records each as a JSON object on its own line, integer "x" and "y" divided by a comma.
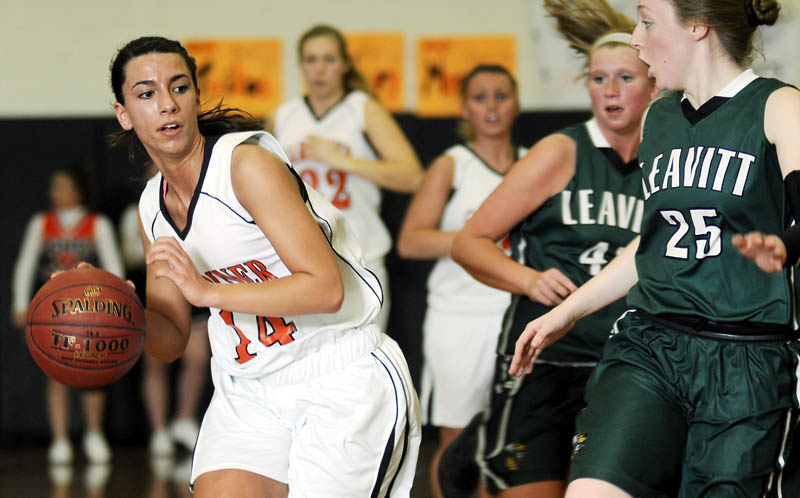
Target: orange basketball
{"x": 85, "y": 328}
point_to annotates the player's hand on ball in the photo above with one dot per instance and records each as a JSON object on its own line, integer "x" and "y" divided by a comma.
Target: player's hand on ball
{"x": 84, "y": 264}
{"x": 550, "y": 287}
{"x": 173, "y": 263}
{"x": 767, "y": 251}
{"x": 19, "y": 318}
{"x": 537, "y": 335}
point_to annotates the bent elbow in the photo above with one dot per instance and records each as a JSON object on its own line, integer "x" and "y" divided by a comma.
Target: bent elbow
{"x": 408, "y": 181}
{"x": 456, "y": 249}
{"x": 416, "y": 181}
{"x": 334, "y": 297}
{"x": 404, "y": 248}
{"x": 171, "y": 358}
{"x": 165, "y": 355}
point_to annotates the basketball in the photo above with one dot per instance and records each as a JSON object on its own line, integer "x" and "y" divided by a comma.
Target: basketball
{"x": 85, "y": 328}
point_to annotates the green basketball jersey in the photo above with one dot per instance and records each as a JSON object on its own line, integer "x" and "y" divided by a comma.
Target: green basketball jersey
{"x": 703, "y": 184}
{"x": 578, "y": 231}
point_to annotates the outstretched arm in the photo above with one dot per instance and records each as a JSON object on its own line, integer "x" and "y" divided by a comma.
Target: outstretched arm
{"x": 611, "y": 284}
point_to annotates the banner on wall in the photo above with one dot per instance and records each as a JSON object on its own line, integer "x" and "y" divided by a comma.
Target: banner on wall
{"x": 246, "y": 73}
{"x": 380, "y": 57}
{"x": 443, "y": 61}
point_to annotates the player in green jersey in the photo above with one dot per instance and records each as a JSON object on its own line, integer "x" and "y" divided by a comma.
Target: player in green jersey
{"x": 570, "y": 204}
{"x": 697, "y": 391}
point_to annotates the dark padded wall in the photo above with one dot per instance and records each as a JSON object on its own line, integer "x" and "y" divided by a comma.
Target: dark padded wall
{"x": 34, "y": 148}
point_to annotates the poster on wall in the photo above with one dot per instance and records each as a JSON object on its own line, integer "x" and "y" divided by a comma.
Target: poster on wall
{"x": 247, "y": 73}
{"x": 381, "y": 58}
{"x": 443, "y": 61}
{"x": 558, "y": 68}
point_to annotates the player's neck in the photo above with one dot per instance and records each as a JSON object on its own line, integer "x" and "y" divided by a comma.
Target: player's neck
{"x": 497, "y": 151}
{"x": 321, "y": 104}
{"x": 625, "y": 143}
{"x": 183, "y": 173}
{"x": 709, "y": 78}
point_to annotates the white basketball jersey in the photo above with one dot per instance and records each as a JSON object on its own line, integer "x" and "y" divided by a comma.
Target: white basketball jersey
{"x": 357, "y": 197}
{"x": 450, "y": 287}
{"x": 227, "y": 247}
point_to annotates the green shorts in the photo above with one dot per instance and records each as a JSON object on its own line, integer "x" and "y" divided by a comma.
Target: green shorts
{"x": 673, "y": 414}
{"x": 526, "y": 434}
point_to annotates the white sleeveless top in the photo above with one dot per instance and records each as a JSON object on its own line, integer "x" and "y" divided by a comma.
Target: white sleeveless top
{"x": 450, "y": 287}
{"x": 357, "y": 197}
{"x": 227, "y": 247}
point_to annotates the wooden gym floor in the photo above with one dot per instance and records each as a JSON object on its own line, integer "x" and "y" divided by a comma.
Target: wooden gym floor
{"x": 24, "y": 473}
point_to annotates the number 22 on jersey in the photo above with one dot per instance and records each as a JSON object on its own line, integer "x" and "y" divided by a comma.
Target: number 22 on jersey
{"x": 336, "y": 180}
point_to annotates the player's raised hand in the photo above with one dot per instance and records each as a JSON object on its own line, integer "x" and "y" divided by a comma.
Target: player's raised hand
{"x": 537, "y": 335}
{"x": 178, "y": 267}
{"x": 767, "y": 251}
{"x": 550, "y": 287}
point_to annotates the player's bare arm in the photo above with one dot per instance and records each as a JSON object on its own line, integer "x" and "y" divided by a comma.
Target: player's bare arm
{"x": 782, "y": 128}
{"x": 398, "y": 168}
{"x": 611, "y": 284}
{"x": 167, "y": 312}
{"x": 543, "y": 172}
{"x": 315, "y": 285}
{"x": 420, "y": 237}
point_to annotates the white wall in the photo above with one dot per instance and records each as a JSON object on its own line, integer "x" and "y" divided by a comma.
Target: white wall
{"x": 55, "y": 53}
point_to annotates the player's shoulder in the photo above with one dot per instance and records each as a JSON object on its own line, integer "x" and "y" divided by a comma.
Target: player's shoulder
{"x": 788, "y": 96}
{"x": 457, "y": 151}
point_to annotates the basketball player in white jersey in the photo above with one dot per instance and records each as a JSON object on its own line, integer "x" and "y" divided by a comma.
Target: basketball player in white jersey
{"x": 464, "y": 316}
{"x": 311, "y": 398}
{"x": 346, "y": 145}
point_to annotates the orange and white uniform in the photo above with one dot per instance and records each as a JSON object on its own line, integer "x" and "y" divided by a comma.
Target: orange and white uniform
{"x": 59, "y": 240}
{"x": 463, "y": 318}
{"x": 358, "y": 198}
{"x": 293, "y": 394}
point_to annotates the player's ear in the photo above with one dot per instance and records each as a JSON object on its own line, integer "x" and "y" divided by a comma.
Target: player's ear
{"x": 122, "y": 116}
{"x": 699, "y": 31}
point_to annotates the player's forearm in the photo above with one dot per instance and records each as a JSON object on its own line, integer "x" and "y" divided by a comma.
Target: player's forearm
{"x": 297, "y": 294}
{"x": 396, "y": 175}
{"x": 164, "y": 339}
{"x": 611, "y": 284}
{"x": 487, "y": 263}
{"x": 424, "y": 243}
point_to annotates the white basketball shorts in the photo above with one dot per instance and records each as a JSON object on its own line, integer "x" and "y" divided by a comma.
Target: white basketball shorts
{"x": 353, "y": 431}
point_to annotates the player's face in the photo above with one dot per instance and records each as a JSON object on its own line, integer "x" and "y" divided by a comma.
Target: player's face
{"x": 619, "y": 87}
{"x": 663, "y": 43}
{"x": 323, "y": 66}
{"x": 161, "y": 103}
{"x": 63, "y": 192}
{"x": 490, "y": 104}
